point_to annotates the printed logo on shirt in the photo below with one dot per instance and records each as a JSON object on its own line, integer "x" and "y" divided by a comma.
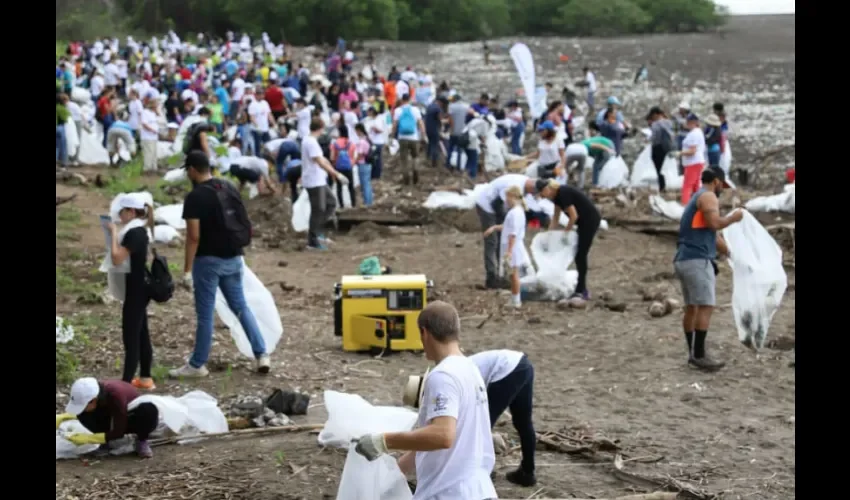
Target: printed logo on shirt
{"x": 481, "y": 395}
{"x": 440, "y": 403}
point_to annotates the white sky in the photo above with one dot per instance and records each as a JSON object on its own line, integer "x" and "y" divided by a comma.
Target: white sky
{"x": 758, "y": 6}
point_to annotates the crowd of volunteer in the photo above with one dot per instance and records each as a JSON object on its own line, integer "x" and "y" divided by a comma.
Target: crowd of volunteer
{"x": 252, "y": 109}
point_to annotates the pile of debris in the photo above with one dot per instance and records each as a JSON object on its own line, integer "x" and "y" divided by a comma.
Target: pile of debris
{"x": 250, "y": 411}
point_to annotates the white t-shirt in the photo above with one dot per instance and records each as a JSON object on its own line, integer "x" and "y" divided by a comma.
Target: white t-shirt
{"x": 96, "y": 85}
{"x": 312, "y": 175}
{"x": 576, "y": 149}
{"x": 380, "y": 124}
{"x": 455, "y": 388}
{"x": 135, "y": 108}
{"x": 514, "y": 225}
{"x": 254, "y": 163}
{"x": 122, "y": 68}
{"x": 260, "y": 111}
{"x": 149, "y": 118}
{"x": 233, "y": 152}
{"x": 141, "y": 87}
{"x": 304, "y": 116}
{"x": 497, "y": 188}
{"x": 417, "y": 115}
{"x": 477, "y": 128}
{"x": 590, "y": 78}
{"x": 76, "y": 112}
{"x": 694, "y": 138}
{"x": 401, "y": 88}
{"x": 274, "y": 145}
{"x": 350, "y": 120}
{"x": 497, "y": 364}
{"x": 110, "y": 73}
{"x": 237, "y": 89}
{"x": 408, "y": 76}
{"x": 550, "y": 152}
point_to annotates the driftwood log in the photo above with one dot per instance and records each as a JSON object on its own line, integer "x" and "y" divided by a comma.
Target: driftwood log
{"x": 65, "y": 199}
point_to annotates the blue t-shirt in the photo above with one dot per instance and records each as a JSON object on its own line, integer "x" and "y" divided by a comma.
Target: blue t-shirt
{"x": 230, "y": 68}
{"x": 224, "y": 99}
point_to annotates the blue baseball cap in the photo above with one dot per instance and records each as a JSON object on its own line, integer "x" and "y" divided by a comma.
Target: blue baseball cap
{"x": 547, "y": 125}
{"x": 613, "y": 101}
{"x": 692, "y": 117}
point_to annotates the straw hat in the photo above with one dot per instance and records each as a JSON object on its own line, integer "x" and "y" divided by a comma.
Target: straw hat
{"x": 412, "y": 395}
{"x": 713, "y": 120}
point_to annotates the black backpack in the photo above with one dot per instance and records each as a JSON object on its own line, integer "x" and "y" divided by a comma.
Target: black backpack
{"x": 372, "y": 155}
{"x": 158, "y": 279}
{"x": 231, "y": 214}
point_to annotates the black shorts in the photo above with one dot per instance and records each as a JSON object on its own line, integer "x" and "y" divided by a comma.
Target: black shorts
{"x": 245, "y": 174}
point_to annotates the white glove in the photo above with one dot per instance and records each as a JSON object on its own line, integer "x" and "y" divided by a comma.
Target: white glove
{"x": 187, "y": 280}
{"x": 342, "y": 179}
{"x": 371, "y": 446}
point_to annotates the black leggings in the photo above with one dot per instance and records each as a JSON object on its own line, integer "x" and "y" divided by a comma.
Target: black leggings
{"x": 138, "y": 351}
{"x": 293, "y": 174}
{"x": 586, "y": 232}
{"x": 516, "y": 392}
{"x": 141, "y": 421}
{"x": 349, "y": 174}
{"x": 658, "y": 157}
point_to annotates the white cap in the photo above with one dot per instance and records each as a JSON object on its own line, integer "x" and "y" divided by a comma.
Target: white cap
{"x": 82, "y": 393}
{"x": 132, "y": 200}
{"x": 685, "y": 105}
{"x": 413, "y": 390}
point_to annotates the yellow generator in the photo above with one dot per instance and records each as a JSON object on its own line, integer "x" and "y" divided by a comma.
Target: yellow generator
{"x": 380, "y": 313}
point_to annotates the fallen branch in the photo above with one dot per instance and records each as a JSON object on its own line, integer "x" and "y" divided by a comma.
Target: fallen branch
{"x": 61, "y": 200}
{"x": 238, "y": 432}
{"x": 667, "y": 483}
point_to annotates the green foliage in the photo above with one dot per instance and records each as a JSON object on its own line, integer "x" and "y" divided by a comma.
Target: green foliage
{"x": 321, "y": 21}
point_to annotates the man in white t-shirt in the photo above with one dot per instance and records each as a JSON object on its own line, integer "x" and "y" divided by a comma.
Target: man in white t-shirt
{"x": 135, "y": 108}
{"x": 96, "y": 85}
{"x": 490, "y": 205}
{"x": 509, "y": 377}
{"x": 590, "y": 81}
{"x": 261, "y": 119}
{"x": 376, "y": 128}
{"x": 451, "y": 449}
{"x": 693, "y": 157}
{"x": 303, "y": 116}
{"x": 237, "y": 90}
{"x": 148, "y": 135}
{"x": 110, "y": 73}
{"x": 315, "y": 169}
{"x": 409, "y": 128}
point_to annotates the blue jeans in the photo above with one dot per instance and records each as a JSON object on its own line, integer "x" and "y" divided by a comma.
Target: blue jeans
{"x": 378, "y": 166}
{"x": 61, "y": 145}
{"x": 287, "y": 150}
{"x": 260, "y": 139}
{"x": 598, "y": 163}
{"x": 714, "y": 158}
{"x": 107, "y": 122}
{"x": 364, "y": 171}
{"x": 244, "y": 132}
{"x": 451, "y": 148}
{"x": 471, "y": 162}
{"x": 516, "y": 133}
{"x": 433, "y": 148}
{"x": 209, "y": 274}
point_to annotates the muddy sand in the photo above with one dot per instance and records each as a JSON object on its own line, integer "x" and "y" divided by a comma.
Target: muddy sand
{"x": 602, "y": 376}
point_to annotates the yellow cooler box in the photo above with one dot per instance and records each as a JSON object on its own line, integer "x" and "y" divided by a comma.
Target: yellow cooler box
{"x": 379, "y": 313}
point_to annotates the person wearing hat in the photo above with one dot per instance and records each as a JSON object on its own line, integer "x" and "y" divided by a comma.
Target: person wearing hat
{"x": 693, "y": 157}
{"x": 517, "y": 119}
{"x": 582, "y": 213}
{"x": 216, "y": 223}
{"x": 550, "y": 154}
{"x": 694, "y": 263}
{"x": 713, "y": 139}
{"x": 451, "y": 448}
{"x": 662, "y": 140}
{"x": 509, "y": 377}
{"x": 102, "y": 408}
{"x": 600, "y": 148}
{"x": 613, "y": 104}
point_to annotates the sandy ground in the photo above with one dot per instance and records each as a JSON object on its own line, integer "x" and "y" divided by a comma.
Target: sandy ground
{"x": 621, "y": 375}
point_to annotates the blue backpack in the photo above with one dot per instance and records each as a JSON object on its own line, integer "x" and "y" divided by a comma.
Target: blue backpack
{"x": 406, "y": 121}
{"x": 343, "y": 160}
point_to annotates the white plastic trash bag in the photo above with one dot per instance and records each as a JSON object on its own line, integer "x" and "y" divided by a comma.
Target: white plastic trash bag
{"x": 726, "y": 158}
{"x": 644, "y": 174}
{"x": 72, "y": 139}
{"x": 758, "y": 279}
{"x": 786, "y": 201}
{"x": 262, "y": 304}
{"x": 171, "y": 215}
{"x": 614, "y": 174}
{"x": 673, "y": 210}
{"x": 453, "y": 199}
{"x": 377, "y": 480}
{"x": 553, "y": 252}
{"x": 80, "y": 95}
{"x": 350, "y": 417}
{"x": 301, "y": 212}
{"x": 67, "y": 449}
{"x": 164, "y": 233}
{"x": 175, "y": 175}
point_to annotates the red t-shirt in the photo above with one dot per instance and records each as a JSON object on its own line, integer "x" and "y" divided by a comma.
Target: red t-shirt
{"x": 103, "y": 106}
{"x": 185, "y": 73}
{"x": 274, "y": 96}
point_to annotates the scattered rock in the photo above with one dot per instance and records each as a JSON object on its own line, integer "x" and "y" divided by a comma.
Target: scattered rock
{"x": 606, "y": 295}
{"x": 671, "y": 305}
{"x": 282, "y": 263}
{"x": 616, "y": 305}
{"x": 499, "y": 443}
{"x": 534, "y": 320}
{"x": 656, "y": 310}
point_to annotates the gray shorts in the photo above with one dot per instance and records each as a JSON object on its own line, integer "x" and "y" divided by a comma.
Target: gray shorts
{"x": 698, "y": 280}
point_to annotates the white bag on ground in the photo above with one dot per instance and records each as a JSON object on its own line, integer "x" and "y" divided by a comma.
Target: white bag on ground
{"x": 301, "y": 212}
{"x": 175, "y": 175}
{"x": 171, "y": 215}
{"x": 262, "y": 304}
{"x": 644, "y": 174}
{"x": 72, "y": 139}
{"x": 189, "y": 415}
{"x": 164, "y": 233}
{"x": 553, "y": 252}
{"x": 782, "y": 202}
{"x": 614, "y": 174}
{"x": 377, "y": 480}
{"x": 758, "y": 280}
{"x": 91, "y": 150}
{"x": 350, "y": 417}
{"x": 453, "y": 199}
{"x": 80, "y": 95}
{"x": 671, "y": 209}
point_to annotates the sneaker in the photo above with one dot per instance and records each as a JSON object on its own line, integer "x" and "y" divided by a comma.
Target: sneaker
{"x": 583, "y": 295}
{"x": 319, "y": 247}
{"x": 263, "y": 364}
{"x": 325, "y": 240}
{"x": 145, "y": 384}
{"x": 143, "y": 449}
{"x": 706, "y": 364}
{"x": 189, "y": 371}
{"x": 521, "y": 478}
